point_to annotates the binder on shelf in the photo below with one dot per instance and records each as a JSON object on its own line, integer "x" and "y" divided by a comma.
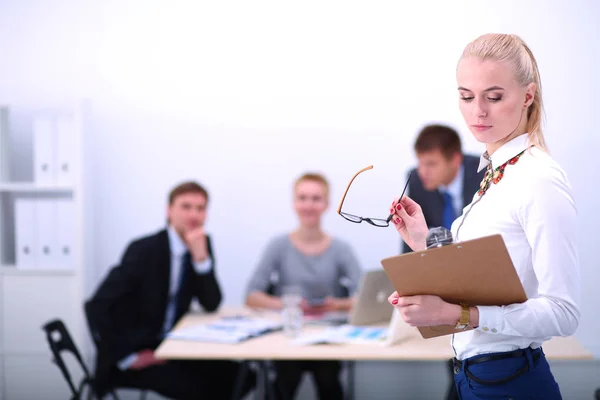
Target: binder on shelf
{"x": 25, "y": 238}
{"x": 46, "y": 231}
{"x": 65, "y": 149}
{"x": 65, "y": 253}
{"x": 4, "y": 145}
{"x": 44, "y": 154}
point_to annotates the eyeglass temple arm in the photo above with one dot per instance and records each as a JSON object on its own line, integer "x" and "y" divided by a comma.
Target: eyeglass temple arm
{"x": 339, "y": 210}
{"x": 402, "y": 195}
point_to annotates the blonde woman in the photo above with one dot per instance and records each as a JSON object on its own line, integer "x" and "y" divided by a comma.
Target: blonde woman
{"x": 525, "y": 196}
{"x": 316, "y": 263}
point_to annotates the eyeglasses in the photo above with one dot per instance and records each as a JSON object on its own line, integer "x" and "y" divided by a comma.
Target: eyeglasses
{"x": 379, "y": 222}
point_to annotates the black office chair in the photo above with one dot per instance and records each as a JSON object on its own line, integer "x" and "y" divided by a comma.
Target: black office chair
{"x": 59, "y": 339}
{"x": 94, "y": 332}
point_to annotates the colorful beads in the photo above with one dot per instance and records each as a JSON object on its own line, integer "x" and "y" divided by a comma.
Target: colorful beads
{"x": 495, "y": 175}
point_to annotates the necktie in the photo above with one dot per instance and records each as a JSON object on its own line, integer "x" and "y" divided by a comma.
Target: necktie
{"x": 186, "y": 268}
{"x": 449, "y": 215}
{"x": 175, "y": 305}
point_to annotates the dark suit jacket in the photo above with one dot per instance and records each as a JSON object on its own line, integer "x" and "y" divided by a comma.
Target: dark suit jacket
{"x": 127, "y": 312}
{"x": 432, "y": 202}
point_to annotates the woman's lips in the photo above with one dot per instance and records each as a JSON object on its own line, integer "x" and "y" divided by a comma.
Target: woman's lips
{"x": 481, "y": 128}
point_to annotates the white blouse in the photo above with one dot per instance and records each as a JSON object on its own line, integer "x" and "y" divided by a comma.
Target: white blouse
{"x": 532, "y": 207}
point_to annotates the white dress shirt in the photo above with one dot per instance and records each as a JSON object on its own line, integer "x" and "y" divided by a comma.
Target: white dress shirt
{"x": 532, "y": 207}
{"x": 178, "y": 250}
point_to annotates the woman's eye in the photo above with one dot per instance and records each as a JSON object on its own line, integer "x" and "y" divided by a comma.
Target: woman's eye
{"x": 494, "y": 99}
{"x": 466, "y": 99}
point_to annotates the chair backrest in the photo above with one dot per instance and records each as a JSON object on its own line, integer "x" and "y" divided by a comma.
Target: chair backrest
{"x": 60, "y": 341}
{"x": 91, "y": 324}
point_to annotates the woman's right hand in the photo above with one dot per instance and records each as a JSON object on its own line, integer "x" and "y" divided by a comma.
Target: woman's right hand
{"x": 409, "y": 221}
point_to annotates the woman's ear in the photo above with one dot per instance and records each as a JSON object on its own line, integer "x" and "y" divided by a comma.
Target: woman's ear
{"x": 530, "y": 94}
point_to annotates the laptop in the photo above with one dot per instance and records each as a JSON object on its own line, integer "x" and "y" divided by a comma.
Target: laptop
{"x": 399, "y": 331}
{"x": 371, "y": 305}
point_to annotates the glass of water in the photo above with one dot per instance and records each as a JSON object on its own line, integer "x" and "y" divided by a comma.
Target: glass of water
{"x": 292, "y": 311}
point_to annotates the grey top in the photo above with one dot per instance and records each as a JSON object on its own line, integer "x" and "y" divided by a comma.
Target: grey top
{"x": 335, "y": 272}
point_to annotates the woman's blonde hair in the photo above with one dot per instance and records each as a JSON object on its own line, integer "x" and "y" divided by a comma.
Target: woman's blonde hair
{"x": 513, "y": 50}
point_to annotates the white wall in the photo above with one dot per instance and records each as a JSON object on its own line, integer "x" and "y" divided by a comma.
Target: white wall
{"x": 245, "y": 96}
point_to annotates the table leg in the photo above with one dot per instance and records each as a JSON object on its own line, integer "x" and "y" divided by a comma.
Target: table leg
{"x": 268, "y": 389}
{"x": 239, "y": 380}
{"x": 264, "y": 389}
{"x": 270, "y": 385}
{"x": 260, "y": 391}
{"x": 350, "y": 384}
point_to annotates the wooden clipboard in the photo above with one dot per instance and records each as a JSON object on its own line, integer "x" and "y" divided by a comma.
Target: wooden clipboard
{"x": 476, "y": 272}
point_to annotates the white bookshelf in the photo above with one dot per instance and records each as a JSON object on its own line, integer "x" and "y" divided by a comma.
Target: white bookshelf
{"x": 12, "y": 270}
{"x": 32, "y": 294}
{"x": 29, "y": 187}
{"x": 2, "y": 363}
{"x": 4, "y": 170}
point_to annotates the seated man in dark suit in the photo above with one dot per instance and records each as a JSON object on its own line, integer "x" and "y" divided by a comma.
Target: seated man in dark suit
{"x": 143, "y": 297}
{"x": 444, "y": 182}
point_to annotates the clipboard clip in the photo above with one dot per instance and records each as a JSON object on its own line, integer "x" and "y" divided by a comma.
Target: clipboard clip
{"x": 438, "y": 237}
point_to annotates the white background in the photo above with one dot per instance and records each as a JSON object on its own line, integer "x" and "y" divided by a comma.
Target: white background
{"x": 245, "y": 96}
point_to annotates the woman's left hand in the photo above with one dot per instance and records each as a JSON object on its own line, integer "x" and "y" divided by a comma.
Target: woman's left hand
{"x": 425, "y": 310}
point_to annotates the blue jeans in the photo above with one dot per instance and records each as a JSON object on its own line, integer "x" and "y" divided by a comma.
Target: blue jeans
{"x": 523, "y": 377}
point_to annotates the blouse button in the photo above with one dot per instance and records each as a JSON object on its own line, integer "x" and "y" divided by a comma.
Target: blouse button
{"x": 494, "y": 330}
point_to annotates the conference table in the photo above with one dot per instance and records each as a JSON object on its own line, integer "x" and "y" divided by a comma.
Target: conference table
{"x": 276, "y": 346}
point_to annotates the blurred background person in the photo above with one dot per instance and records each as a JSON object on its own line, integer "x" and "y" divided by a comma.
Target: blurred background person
{"x": 323, "y": 268}
{"x": 445, "y": 179}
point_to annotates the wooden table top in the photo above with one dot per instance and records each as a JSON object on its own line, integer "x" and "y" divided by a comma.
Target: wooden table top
{"x": 276, "y": 346}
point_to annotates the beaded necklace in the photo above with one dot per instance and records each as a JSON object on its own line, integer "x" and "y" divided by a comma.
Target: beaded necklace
{"x": 496, "y": 174}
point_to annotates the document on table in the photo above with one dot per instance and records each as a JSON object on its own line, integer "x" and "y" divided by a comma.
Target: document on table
{"x": 226, "y": 330}
{"x": 345, "y": 334}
